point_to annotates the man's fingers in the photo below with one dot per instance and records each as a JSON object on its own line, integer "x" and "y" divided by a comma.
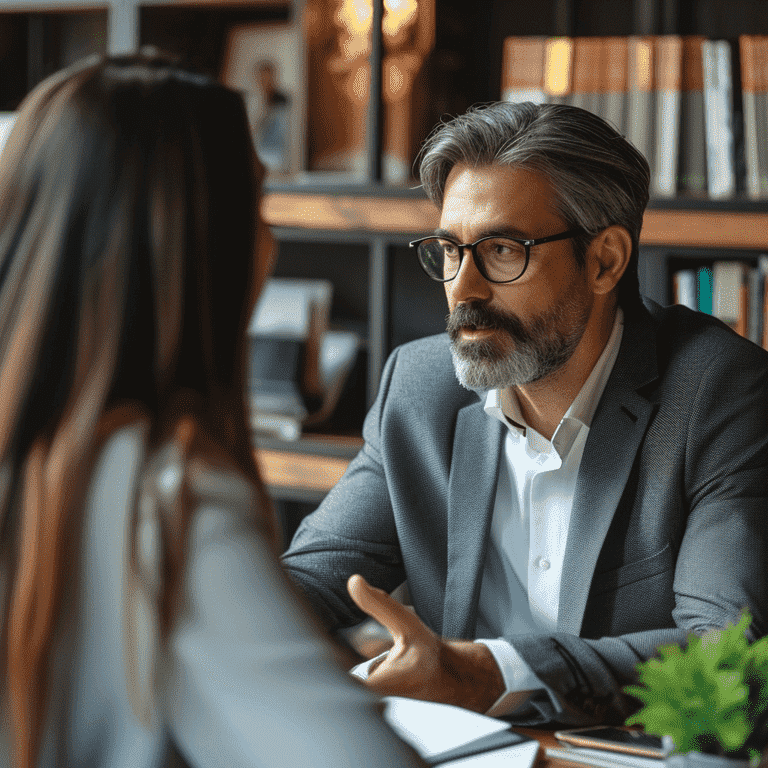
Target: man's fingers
{"x": 403, "y": 624}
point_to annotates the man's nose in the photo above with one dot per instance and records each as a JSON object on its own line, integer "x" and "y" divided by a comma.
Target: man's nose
{"x": 468, "y": 285}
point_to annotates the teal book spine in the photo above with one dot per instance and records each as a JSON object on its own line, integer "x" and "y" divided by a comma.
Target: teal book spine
{"x": 705, "y": 290}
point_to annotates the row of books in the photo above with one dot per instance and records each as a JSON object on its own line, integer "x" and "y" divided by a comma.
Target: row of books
{"x": 735, "y": 291}
{"x": 696, "y": 108}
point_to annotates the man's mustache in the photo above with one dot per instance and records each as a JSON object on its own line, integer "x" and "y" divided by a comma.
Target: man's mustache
{"x": 481, "y": 316}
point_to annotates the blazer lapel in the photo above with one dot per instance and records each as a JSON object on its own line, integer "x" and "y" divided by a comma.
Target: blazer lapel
{"x": 618, "y": 427}
{"x": 471, "y": 493}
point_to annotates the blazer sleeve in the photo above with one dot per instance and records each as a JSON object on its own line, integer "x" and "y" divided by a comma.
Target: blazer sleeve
{"x": 722, "y": 557}
{"x": 248, "y": 680}
{"x": 353, "y": 530}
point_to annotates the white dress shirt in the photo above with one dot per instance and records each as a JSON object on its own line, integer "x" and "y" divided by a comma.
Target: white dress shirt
{"x": 520, "y": 589}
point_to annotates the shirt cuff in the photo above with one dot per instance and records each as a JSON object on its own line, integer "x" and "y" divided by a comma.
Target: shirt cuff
{"x": 363, "y": 669}
{"x": 520, "y": 680}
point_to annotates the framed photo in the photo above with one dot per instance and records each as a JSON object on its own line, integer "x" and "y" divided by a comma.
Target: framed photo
{"x": 267, "y": 64}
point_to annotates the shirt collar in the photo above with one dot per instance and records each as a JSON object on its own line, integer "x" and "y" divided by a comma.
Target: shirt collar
{"x": 584, "y": 405}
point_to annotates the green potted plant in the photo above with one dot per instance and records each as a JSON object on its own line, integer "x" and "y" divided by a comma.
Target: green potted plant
{"x": 709, "y": 698}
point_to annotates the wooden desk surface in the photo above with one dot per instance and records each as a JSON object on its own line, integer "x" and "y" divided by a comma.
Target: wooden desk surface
{"x": 546, "y": 739}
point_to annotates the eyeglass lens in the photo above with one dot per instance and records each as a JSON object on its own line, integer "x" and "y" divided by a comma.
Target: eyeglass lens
{"x": 499, "y": 259}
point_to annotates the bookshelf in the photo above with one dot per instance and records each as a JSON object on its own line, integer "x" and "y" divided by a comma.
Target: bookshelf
{"x": 685, "y": 228}
{"x": 680, "y": 222}
{"x": 357, "y": 235}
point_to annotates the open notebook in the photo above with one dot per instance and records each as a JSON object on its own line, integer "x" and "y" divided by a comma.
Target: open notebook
{"x": 452, "y": 737}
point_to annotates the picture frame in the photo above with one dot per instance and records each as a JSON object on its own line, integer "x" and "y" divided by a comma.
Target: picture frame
{"x": 266, "y": 63}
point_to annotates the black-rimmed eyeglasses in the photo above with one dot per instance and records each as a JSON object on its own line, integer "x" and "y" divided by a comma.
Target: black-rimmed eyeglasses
{"x": 498, "y": 259}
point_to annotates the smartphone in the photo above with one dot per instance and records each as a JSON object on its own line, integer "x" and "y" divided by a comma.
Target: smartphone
{"x": 614, "y": 739}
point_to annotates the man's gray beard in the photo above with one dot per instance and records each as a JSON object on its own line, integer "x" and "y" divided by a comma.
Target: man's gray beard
{"x": 480, "y": 365}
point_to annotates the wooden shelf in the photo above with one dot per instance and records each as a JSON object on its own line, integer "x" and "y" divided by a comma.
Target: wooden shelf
{"x": 705, "y": 226}
{"x": 705, "y": 229}
{"x": 307, "y": 469}
{"x": 341, "y": 212}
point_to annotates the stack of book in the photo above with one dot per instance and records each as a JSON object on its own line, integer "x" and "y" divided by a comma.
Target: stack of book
{"x": 733, "y": 290}
{"x": 696, "y": 108}
{"x": 298, "y": 366}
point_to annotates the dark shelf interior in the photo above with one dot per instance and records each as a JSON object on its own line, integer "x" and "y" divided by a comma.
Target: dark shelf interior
{"x": 197, "y": 34}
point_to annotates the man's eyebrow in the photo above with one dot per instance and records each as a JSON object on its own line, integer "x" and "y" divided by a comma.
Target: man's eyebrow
{"x": 494, "y": 232}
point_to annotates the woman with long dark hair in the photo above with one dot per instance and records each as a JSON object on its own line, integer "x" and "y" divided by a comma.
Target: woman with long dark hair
{"x": 144, "y": 613}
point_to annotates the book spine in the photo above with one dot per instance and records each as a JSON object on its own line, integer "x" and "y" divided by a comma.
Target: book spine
{"x": 742, "y": 323}
{"x": 692, "y": 167}
{"x": 762, "y": 268}
{"x": 523, "y": 70}
{"x": 705, "y": 290}
{"x": 684, "y": 288}
{"x": 748, "y": 53}
{"x": 668, "y": 76}
{"x": 613, "y": 85}
{"x": 640, "y": 106}
{"x": 761, "y": 111}
{"x": 586, "y": 69}
{"x": 721, "y": 178}
{"x": 558, "y": 70}
{"x": 729, "y": 294}
{"x": 756, "y": 309}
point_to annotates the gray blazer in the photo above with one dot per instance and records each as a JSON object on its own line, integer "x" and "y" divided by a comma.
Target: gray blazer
{"x": 243, "y": 681}
{"x": 669, "y": 530}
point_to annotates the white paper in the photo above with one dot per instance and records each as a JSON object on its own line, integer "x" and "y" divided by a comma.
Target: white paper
{"x": 285, "y": 307}
{"x": 434, "y": 728}
{"x": 518, "y": 756}
{"x": 604, "y": 758}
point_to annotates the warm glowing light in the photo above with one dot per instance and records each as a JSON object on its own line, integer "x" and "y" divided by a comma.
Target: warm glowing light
{"x": 396, "y": 79}
{"x": 398, "y": 14}
{"x": 360, "y": 84}
{"x": 355, "y": 17}
{"x": 643, "y": 66}
{"x": 557, "y": 67}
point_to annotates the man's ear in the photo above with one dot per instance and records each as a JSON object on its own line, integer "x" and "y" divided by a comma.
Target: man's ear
{"x": 607, "y": 258}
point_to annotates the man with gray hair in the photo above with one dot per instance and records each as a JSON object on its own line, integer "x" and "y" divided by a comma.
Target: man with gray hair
{"x": 572, "y": 475}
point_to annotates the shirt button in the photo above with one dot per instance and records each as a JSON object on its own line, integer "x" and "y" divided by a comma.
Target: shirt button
{"x": 543, "y": 564}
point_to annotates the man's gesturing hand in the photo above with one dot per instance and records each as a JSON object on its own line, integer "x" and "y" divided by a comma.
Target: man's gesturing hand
{"x": 422, "y": 665}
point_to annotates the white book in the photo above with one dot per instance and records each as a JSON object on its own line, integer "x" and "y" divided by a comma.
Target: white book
{"x": 289, "y": 308}
{"x": 718, "y": 115}
{"x": 685, "y": 288}
{"x": 727, "y": 277}
{"x": 667, "y": 137}
{"x": 751, "y": 150}
{"x": 668, "y": 59}
{"x": 749, "y": 49}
